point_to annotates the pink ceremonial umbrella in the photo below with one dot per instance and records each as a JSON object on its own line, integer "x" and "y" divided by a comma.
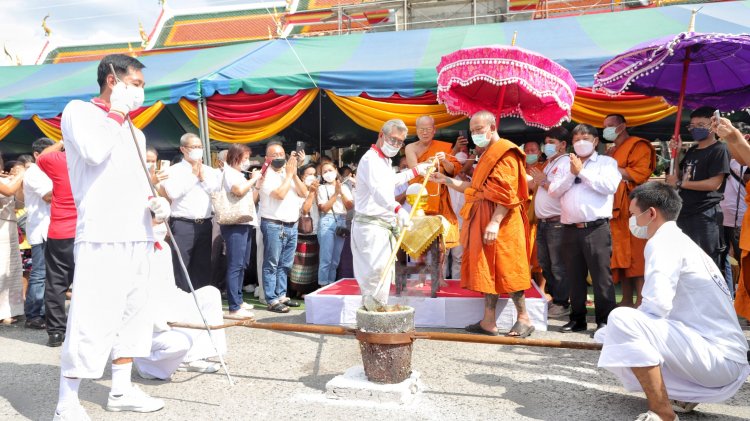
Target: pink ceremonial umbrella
{"x": 507, "y": 81}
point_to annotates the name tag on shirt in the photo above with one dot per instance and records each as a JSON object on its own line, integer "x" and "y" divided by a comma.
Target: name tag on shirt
{"x": 715, "y": 274}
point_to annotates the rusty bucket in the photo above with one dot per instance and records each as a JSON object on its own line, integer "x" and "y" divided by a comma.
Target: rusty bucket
{"x": 385, "y": 340}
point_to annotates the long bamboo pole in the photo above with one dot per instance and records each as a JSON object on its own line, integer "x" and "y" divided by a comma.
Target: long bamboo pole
{"x": 433, "y": 336}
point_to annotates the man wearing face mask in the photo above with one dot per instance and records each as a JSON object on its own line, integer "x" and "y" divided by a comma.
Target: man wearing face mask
{"x": 676, "y": 354}
{"x": 109, "y": 315}
{"x": 495, "y": 229}
{"x": 704, "y": 170}
{"x": 586, "y": 191}
{"x": 549, "y": 235}
{"x": 189, "y": 187}
{"x": 377, "y": 213}
{"x": 636, "y": 161}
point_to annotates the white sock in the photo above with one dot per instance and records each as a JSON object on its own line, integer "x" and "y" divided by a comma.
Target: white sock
{"x": 121, "y": 378}
{"x": 68, "y": 392}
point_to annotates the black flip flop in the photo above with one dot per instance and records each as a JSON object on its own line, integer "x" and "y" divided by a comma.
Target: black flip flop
{"x": 278, "y": 308}
{"x": 521, "y": 330}
{"x": 291, "y": 303}
{"x": 477, "y": 328}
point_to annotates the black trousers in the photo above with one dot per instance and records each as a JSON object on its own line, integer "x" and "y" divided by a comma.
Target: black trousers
{"x": 588, "y": 251}
{"x": 706, "y": 229}
{"x": 194, "y": 241}
{"x": 60, "y": 265}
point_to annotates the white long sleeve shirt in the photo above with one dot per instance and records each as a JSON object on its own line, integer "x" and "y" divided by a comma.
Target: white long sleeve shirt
{"x": 109, "y": 186}
{"x": 376, "y": 183}
{"x": 36, "y": 185}
{"x": 683, "y": 284}
{"x": 190, "y": 197}
{"x": 593, "y": 196}
{"x": 546, "y": 206}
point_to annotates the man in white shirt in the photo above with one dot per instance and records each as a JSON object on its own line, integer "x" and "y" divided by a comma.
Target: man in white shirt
{"x": 109, "y": 314}
{"x": 377, "y": 213}
{"x": 586, "y": 191}
{"x": 281, "y": 197}
{"x": 37, "y": 192}
{"x": 684, "y": 342}
{"x": 549, "y": 234}
{"x": 189, "y": 187}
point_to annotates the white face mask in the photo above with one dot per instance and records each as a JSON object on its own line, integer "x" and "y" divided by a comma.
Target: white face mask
{"x": 637, "y": 230}
{"x": 388, "y": 150}
{"x": 309, "y": 180}
{"x": 329, "y": 176}
{"x": 138, "y": 96}
{"x": 610, "y": 134}
{"x": 245, "y": 165}
{"x": 150, "y": 166}
{"x": 583, "y": 148}
{"x": 550, "y": 150}
{"x": 480, "y": 139}
{"x": 196, "y": 154}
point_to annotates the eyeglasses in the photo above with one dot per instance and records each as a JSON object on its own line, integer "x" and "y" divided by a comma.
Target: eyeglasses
{"x": 698, "y": 126}
{"x": 425, "y": 130}
{"x": 193, "y": 147}
{"x": 394, "y": 142}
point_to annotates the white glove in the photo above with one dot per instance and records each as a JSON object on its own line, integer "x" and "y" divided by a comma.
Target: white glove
{"x": 161, "y": 326}
{"x": 403, "y": 219}
{"x": 120, "y": 99}
{"x": 423, "y": 167}
{"x": 160, "y": 207}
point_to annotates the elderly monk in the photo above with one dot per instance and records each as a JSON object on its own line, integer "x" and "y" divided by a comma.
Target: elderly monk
{"x": 424, "y": 149}
{"x": 534, "y": 163}
{"x": 739, "y": 148}
{"x": 636, "y": 161}
{"x": 495, "y": 230}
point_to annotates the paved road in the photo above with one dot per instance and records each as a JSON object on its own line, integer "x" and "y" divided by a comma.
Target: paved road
{"x": 283, "y": 375}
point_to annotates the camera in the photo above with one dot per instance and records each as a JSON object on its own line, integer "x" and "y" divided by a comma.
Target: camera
{"x": 342, "y": 231}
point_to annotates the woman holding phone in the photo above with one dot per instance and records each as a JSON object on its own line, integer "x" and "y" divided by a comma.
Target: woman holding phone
{"x": 334, "y": 200}
{"x": 238, "y": 237}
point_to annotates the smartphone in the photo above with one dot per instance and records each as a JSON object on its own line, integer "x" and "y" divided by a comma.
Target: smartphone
{"x": 300, "y": 147}
{"x": 265, "y": 167}
{"x": 462, "y": 133}
{"x": 717, "y": 115}
{"x": 164, "y": 164}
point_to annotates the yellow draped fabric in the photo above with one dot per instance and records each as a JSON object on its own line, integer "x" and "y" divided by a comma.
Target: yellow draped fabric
{"x": 249, "y": 131}
{"x": 371, "y": 114}
{"x": 143, "y": 119}
{"x": 641, "y": 110}
{"x": 7, "y": 125}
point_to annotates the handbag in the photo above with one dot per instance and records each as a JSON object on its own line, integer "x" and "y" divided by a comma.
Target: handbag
{"x": 305, "y": 224}
{"x": 230, "y": 209}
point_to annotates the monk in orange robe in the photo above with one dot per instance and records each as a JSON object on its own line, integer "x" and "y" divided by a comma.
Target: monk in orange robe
{"x": 533, "y": 162}
{"x": 495, "y": 229}
{"x": 636, "y": 160}
{"x": 438, "y": 200}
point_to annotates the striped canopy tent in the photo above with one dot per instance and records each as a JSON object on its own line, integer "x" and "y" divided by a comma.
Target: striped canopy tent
{"x": 254, "y": 90}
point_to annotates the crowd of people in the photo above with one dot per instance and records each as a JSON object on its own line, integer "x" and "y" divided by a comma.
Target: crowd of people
{"x": 573, "y": 210}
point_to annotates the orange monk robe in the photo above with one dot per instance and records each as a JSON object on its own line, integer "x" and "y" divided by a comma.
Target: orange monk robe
{"x": 742, "y": 294}
{"x": 638, "y": 157}
{"x": 501, "y": 267}
{"x": 439, "y": 199}
{"x": 531, "y": 215}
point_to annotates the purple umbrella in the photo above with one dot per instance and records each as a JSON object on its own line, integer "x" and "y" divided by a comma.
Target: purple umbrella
{"x": 692, "y": 69}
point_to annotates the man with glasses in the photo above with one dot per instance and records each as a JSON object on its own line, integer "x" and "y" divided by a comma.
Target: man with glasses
{"x": 377, "y": 213}
{"x": 189, "y": 187}
{"x": 703, "y": 173}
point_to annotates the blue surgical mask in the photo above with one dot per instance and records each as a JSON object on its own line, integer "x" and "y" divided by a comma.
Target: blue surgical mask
{"x": 699, "y": 133}
{"x": 550, "y": 150}
{"x": 532, "y": 158}
{"x": 480, "y": 139}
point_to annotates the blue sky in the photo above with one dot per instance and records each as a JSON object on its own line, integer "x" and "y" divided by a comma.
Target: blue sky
{"x": 81, "y": 21}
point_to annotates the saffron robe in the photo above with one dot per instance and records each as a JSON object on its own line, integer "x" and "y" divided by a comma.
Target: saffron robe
{"x": 501, "y": 267}
{"x": 638, "y": 157}
{"x": 742, "y": 293}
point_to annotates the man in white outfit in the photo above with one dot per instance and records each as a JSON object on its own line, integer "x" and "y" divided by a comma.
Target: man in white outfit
{"x": 377, "y": 213}
{"x": 113, "y": 243}
{"x": 684, "y": 342}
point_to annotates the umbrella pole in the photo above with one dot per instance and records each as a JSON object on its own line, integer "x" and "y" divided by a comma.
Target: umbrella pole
{"x": 683, "y": 86}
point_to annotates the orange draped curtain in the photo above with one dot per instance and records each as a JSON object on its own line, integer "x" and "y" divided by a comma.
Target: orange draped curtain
{"x": 142, "y": 117}
{"x": 233, "y": 121}
{"x": 7, "y": 125}
{"x": 591, "y": 107}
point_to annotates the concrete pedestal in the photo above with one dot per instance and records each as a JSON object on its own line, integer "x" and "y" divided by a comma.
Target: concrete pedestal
{"x": 353, "y": 385}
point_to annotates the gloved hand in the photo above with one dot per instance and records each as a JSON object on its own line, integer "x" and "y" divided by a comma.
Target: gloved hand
{"x": 161, "y": 326}
{"x": 120, "y": 100}
{"x": 403, "y": 219}
{"x": 423, "y": 167}
{"x": 160, "y": 207}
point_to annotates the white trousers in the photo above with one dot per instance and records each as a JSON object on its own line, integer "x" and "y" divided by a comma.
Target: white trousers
{"x": 453, "y": 262}
{"x": 168, "y": 349}
{"x": 371, "y": 247}
{"x": 109, "y": 313}
{"x": 693, "y": 369}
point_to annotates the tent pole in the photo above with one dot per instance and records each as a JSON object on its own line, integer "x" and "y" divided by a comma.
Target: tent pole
{"x": 320, "y": 121}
